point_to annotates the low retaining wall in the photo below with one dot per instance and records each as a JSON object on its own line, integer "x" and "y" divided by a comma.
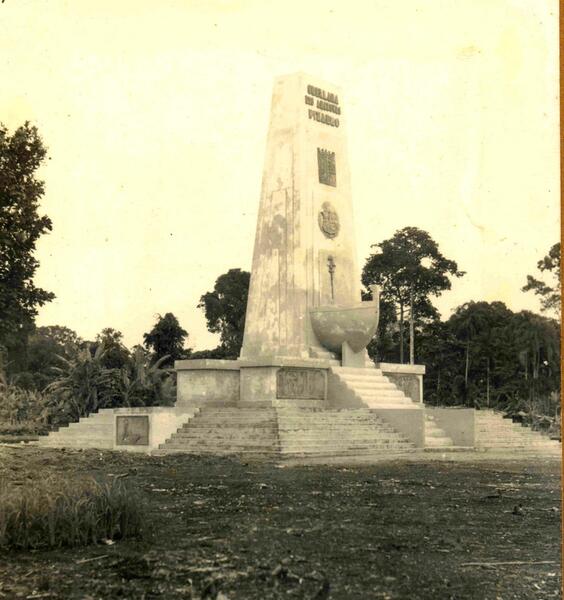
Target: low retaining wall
{"x": 408, "y": 421}
{"x": 458, "y": 424}
{"x": 408, "y": 378}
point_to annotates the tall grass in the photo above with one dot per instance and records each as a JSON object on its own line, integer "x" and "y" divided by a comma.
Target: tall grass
{"x": 59, "y": 512}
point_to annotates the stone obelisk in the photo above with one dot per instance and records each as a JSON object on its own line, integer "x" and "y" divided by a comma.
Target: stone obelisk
{"x": 304, "y": 253}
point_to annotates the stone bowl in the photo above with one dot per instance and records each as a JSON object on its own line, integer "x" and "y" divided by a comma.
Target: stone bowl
{"x": 356, "y": 324}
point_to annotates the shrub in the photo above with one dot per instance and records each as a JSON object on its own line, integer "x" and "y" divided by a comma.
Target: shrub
{"x": 18, "y": 406}
{"x": 59, "y": 512}
{"x": 84, "y": 385}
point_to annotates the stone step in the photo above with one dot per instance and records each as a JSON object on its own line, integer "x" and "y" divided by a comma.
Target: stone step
{"x": 92, "y": 426}
{"x": 357, "y": 370}
{"x": 234, "y": 448}
{"x": 189, "y": 437}
{"x": 436, "y": 433}
{"x": 205, "y": 418}
{"x": 333, "y": 424}
{"x": 377, "y": 453}
{"x": 387, "y": 394}
{"x": 507, "y": 432}
{"x": 397, "y": 439}
{"x": 500, "y": 442}
{"x": 373, "y": 444}
{"x": 515, "y": 434}
{"x": 335, "y": 427}
{"x": 228, "y": 424}
{"x": 531, "y": 446}
{"x": 364, "y": 381}
{"x": 353, "y": 414}
{"x": 328, "y": 438}
{"x": 343, "y": 446}
{"x": 380, "y": 394}
{"x": 163, "y": 450}
{"x": 438, "y": 441}
{"x": 385, "y": 398}
{"x": 371, "y": 417}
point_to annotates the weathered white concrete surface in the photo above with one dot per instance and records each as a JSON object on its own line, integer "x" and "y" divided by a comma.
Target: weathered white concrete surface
{"x": 408, "y": 378}
{"x": 292, "y": 254}
{"x": 99, "y": 430}
{"x": 201, "y": 383}
{"x": 457, "y": 423}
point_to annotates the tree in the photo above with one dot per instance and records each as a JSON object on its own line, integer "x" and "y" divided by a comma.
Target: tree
{"x": 225, "y": 309}
{"x": 21, "y": 154}
{"x": 166, "y": 340}
{"x": 439, "y": 351}
{"x": 549, "y": 293}
{"x": 477, "y": 326}
{"x": 44, "y": 346}
{"x": 115, "y": 355}
{"x": 145, "y": 383}
{"x": 409, "y": 268}
{"x": 537, "y": 345}
{"x": 83, "y": 385}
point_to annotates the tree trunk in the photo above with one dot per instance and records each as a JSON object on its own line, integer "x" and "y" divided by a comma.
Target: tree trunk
{"x": 488, "y": 383}
{"x": 467, "y": 364}
{"x": 401, "y": 333}
{"x": 411, "y": 329}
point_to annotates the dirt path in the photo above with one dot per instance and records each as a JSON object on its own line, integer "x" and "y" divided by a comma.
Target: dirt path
{"x": 225, "y": 529}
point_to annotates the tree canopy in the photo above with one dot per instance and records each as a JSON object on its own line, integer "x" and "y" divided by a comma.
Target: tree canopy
{"x": 225, "y": 308}
{"x": 487, "y": 355}
{"x": 410, "y": 269}
{"x": 21, "y": 154}
{"x": 166, "y": 340}
{"x": 115, "y": 355}
{"x": 549, "y": 293}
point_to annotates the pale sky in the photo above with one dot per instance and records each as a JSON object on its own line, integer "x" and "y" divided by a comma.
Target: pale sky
{"x": 155, "y": 115}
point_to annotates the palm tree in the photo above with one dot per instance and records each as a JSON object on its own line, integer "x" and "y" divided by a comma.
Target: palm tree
{"x": 83, "y": 384}
{"x": 146, "y": 384}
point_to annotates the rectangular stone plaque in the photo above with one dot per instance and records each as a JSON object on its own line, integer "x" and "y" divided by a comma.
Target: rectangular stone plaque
{"x": 132, "y": 431}
{"x": 300, "y": 383}
{"x": 326, "y": 167}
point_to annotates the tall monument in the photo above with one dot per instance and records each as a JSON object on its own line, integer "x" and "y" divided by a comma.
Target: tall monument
{"x": 303, "y": 384}
{"x": 304, "y": 263}
{"x": 306, "y": 328}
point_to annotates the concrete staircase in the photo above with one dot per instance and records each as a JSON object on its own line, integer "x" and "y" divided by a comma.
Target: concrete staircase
{"x": 372, "y": 388}
{"x": 227, "y": 430}
{"x": 323, "y": 432}
{"x": 493, "y": 432}
{"x": 435, "y": 437}
{"x": 94, "y": 431}
{"x": 286, "y": 431}
{"x": 97, "y": 430}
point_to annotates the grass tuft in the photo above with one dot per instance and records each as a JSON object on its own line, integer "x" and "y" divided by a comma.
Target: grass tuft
{"x": 60, "y": 512}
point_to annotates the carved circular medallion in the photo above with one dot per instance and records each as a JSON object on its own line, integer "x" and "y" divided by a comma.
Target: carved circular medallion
{"x": 328, "y": 220}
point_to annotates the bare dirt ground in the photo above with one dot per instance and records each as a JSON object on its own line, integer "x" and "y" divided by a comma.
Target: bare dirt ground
{"x": 221, "y": 528}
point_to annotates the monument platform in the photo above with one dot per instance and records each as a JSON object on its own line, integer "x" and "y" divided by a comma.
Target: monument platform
{"x": 303, "y": 385}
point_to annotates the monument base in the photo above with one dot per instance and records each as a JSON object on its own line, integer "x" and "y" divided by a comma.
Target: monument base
{"x": 282, "y": 407}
